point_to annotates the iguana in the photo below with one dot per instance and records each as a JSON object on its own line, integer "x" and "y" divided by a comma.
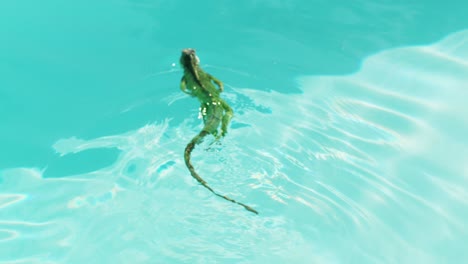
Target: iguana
{"x": 214, "y": 110}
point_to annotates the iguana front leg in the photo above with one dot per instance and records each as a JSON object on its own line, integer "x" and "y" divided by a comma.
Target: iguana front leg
{"x": 217, "y": 82}
{"x": 183, "y": 86}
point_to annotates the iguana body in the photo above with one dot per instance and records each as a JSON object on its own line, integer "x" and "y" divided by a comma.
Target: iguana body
{"x": 215, "y": 111}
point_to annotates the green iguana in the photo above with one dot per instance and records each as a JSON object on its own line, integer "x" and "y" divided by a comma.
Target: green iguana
{"x": 215, "y": 111}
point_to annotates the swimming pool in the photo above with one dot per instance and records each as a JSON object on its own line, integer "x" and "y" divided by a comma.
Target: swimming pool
{"x": 349, "y": 135}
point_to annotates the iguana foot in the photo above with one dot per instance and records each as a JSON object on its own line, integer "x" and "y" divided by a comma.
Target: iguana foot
{"x": 223, "y": 133}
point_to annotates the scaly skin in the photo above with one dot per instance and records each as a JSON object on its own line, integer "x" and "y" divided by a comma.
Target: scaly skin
{"x": 215, "y": 111}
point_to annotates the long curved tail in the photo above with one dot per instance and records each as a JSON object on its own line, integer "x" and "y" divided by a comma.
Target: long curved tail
{"x": 188, "y": 150}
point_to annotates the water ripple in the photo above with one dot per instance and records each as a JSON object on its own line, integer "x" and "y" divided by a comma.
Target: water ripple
{"x": 361, "y": 167}
{"x": 363, "y": 150}
{"x": 10, "y": 199}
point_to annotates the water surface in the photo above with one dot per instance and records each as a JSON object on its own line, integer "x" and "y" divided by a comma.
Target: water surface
{"x": 349, "y": 134}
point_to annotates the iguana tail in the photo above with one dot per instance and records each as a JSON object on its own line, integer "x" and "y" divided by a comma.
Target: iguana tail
{"x": 188, "y": 150}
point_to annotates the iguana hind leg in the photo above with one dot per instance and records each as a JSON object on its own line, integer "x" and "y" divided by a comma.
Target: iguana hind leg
{"x": 212, "y": 118}
{"x": 228, "y": 113}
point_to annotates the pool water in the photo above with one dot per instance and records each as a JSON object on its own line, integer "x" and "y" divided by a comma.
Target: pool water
{"x": 349, "y": 135}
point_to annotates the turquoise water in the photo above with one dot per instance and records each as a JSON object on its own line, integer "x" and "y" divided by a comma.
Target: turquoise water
{"x": 349, "y": 136}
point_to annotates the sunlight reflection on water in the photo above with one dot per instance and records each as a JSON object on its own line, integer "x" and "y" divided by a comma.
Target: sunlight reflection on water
{"x": 353, "y": 167}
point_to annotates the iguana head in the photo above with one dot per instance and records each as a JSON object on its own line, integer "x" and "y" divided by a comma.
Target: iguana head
{"x": 189, "y": 59}
{"x": 189, "y": 62}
